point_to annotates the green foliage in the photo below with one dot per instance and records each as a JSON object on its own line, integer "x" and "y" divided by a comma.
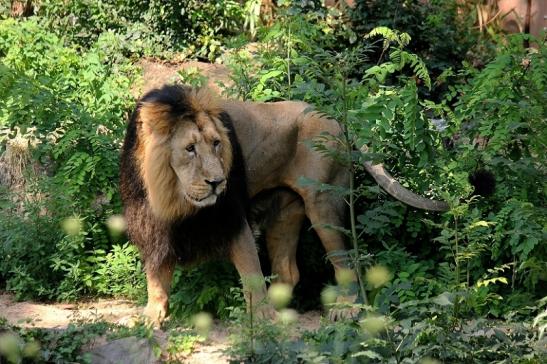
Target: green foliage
{"x": 508, "y": 137}
{"x": 51, "y": 95}
{"x": 418, "y": 331}
{"x": 206, "y": 287}
{"x": 261, "y": 341}
{"x": 441, "y": 31}
{"x": 475, "y": 236}
{"x": 70, "y": 108}
{"x": 65, "y": 345}
{"x": 413, "y": 278}
{"x": 25, "y": 243}
{"x": 54, "y": 346}
{"x": 285, "y": 53}
{"x": 150, "y": 27}
{"x": 425, "y": 330}
{"x": 119, "y": 272}
{"x": 180, "y": 344}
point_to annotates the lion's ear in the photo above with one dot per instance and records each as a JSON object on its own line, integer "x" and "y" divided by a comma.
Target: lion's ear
{"x": 156, "y": 117}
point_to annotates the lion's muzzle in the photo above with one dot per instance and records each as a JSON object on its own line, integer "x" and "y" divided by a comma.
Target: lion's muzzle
{"x": 217, "y": 184}
{"x": 207, "y": 192}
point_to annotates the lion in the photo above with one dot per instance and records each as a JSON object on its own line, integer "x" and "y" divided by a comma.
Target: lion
{"x": 194, "y": 166}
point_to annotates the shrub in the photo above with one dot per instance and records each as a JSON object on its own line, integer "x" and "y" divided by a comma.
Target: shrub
{"x": 500, "y": 111}
{"x": 26, "y": 245}
{"x": 71, "y": 108}
{"x": 146, "y": 27}
{"x": 119, "y": 272}
{"x": 441, "y": 31}
{"x": 204, "y": 288}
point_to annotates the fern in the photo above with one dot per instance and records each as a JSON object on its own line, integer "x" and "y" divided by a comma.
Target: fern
{"x": 390, "y": 36}
{"x": 403, "y": 58}
{"x": 399, "y": 58}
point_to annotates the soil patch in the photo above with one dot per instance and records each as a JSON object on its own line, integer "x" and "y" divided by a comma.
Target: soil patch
{"x": 59, "y": 315}
{"x": 155, "y": 74}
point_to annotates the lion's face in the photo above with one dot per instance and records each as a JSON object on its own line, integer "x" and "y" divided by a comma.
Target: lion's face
{"x": 184, "y": 153}
{"x": 198, "y": 159}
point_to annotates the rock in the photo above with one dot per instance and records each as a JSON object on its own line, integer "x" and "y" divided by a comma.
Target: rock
{"x": 129, "y": 350}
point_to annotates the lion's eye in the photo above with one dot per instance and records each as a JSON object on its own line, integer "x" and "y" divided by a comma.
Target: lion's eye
{"x": 216, "y": 143}
{"x": 191, "y": 148}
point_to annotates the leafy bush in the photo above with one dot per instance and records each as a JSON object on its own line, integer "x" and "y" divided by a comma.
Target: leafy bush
{"x": 204, "y": 288}
{"x": 146, "y": 27}
{"x": 501, "y": 114}
{"x": 71, "y": 109}
{"x": 119, "y": 272}
{"x": 492, "y": 135}
{"x": 69, "y": 345}
{"x": 418, "y": 331}
{"x": 423, "y": 331}
{"x": 26, "y": 242}
{"x": 441, "y": 31}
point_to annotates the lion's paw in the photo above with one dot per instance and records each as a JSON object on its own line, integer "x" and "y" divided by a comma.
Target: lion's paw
{"x": 344, "y": 313}
{"x": 155, "y": 314}
{"x": 265, "y": 312}
{"x": 345, "y": 308}
{"x": 129, "y": 320}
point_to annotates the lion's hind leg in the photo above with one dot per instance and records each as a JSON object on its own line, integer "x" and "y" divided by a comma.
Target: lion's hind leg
{"x": 326, "y": 212}
{"x": 282, "y": 235}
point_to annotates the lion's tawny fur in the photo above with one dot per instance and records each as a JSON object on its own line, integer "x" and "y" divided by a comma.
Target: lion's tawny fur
{"x": 245, "y": 149}
{"x": 160, "y": 180}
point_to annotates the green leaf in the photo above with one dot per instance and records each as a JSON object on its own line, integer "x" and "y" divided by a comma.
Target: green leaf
{"x": 444, "y": 299}
{"x": 367, "y": 354}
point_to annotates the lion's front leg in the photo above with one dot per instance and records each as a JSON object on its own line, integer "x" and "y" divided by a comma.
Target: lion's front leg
{"x": 158, "y": 285}
{"x": 244, "y": 255}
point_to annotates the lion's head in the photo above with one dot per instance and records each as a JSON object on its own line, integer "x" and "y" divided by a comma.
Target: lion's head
{"x": 184, "y": 151}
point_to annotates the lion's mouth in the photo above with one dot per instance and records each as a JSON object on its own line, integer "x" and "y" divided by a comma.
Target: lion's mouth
{"x": 208, "y": 200}
{"x": 197, "y": 199}
{"x": 200, "y": 200}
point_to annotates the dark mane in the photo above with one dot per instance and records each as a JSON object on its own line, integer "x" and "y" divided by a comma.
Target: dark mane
{"x": 206, "y": 234}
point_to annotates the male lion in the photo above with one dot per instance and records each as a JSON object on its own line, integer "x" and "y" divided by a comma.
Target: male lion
{"x": 193, "y": 166}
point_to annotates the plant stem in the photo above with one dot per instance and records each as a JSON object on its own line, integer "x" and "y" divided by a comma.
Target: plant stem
{"x": 354, "y": 238}
{"x": 395, "y": 348}
{"x": 457, "y": 261}
{"x": 456, "y": 256}
{"x": 468, "y": 273}
{"x": 251, "y": 324}
{"x": 356, "y": 262}
{"x": 514, "y": 275}
{"x": 289, "y": 61}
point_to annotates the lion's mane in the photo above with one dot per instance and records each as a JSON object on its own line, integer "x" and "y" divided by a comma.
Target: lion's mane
{"x": 181, "y": 233}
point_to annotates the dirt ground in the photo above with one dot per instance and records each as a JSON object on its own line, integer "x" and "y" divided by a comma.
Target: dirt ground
{"x": 155, "y": 74}
{"x": 59, "y": 315}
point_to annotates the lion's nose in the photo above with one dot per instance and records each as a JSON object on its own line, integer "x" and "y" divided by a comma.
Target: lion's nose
{"x": 214, "y": 182}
